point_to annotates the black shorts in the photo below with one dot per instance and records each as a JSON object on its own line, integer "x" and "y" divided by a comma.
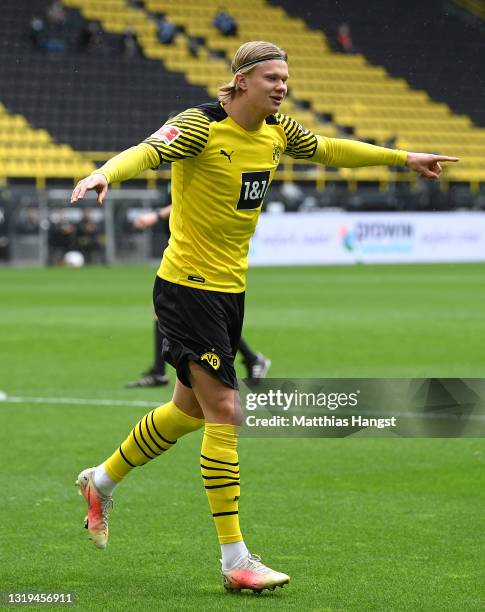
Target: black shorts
{"x": 199, "y": 325}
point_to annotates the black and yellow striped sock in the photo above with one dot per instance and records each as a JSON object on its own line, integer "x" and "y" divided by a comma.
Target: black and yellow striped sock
{"x": 154, "y": 434}
{"x": 220, "y": 472}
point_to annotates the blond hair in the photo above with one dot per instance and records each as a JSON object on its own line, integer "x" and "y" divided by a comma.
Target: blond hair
{"x": 245, "y": 58}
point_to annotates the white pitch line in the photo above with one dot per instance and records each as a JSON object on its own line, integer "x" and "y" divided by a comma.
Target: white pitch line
{"x": 78, "y": 401}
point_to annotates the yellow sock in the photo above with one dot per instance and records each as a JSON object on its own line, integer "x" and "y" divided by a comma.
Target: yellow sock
{"x": 154, "y": 434}
{"x": 220, "y": 471}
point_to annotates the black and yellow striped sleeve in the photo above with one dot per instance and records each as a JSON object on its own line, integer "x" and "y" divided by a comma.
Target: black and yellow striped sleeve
{"x": 180, "y": 137}
{"x": 300, "y": 143}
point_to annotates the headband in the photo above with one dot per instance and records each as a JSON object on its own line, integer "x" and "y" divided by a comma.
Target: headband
{"x": 277, "y": 56}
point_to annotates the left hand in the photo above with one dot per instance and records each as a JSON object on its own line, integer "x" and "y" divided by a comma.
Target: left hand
{"x": 427, "y": 164}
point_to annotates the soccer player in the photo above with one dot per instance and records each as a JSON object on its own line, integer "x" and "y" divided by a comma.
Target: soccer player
{"x": 257, "y": 365}
{"x": 224, "y": 156}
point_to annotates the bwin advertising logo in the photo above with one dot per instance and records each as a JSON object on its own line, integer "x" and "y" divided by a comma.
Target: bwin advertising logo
{"x": 378, "y": 237}
{"x": 347, "y": 238}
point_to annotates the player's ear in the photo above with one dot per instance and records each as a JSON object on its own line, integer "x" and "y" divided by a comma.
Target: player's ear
{"x": 241, "y": 82}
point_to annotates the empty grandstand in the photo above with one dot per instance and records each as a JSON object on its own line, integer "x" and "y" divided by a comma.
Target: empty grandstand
{"x": 83, "y": 79}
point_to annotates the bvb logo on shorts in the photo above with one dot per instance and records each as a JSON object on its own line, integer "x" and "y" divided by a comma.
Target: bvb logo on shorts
{"x": 212, "y": 359}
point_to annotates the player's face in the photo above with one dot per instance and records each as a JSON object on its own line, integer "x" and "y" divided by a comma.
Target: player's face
{"x": 266, "y": 86}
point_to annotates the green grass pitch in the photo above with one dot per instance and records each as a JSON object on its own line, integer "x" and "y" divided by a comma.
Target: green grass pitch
{"x": 359, "y": 524}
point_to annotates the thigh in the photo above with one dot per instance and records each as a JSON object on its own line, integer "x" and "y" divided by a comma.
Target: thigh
{"x": 235, "y": 323}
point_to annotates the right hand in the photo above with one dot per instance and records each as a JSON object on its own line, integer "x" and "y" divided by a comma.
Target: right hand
{"x": 145, "y": 220}
{"x": 427, "y": 164}
{"x": 95, "y": 181}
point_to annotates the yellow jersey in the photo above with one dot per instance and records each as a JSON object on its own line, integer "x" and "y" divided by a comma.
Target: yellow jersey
{"x": 220, "y": 175}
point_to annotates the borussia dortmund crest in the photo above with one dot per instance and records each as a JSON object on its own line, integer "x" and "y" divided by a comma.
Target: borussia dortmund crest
{"x": 212, "y": 359}
{"x": 276, "y": 152}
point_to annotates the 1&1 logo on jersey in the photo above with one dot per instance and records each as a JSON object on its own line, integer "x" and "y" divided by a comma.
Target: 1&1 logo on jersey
{"x": 253, "y": 189}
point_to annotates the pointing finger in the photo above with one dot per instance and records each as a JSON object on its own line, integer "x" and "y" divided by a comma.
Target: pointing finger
{"x": 446, "y": 158}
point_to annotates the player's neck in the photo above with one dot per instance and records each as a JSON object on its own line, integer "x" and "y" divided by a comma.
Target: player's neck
{"x": 243, "y": 115}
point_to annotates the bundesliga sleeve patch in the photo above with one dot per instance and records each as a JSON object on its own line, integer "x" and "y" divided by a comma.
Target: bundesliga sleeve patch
{"x": 167, "y": 134}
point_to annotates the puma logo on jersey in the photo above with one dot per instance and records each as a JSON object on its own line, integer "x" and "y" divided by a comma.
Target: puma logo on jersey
{"x": 228, "y": 155}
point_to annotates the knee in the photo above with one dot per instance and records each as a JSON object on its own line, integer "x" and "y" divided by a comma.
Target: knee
{"x": 219, "y": 403}
{"x": 226, "y": 409}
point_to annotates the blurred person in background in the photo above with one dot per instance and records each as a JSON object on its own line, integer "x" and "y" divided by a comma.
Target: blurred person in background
{"x": 225, "y": 23}
{"x": 61, "y": 237}
{"x": 90, "y": 38}
{"x": 344, "y": 39}
{"x": 56, "y": 28}
{"x": 129, "y": 43}
{"x": 37, "y": 33}
{"x": 56, "y": 14}
{"x": 193, "y": 46}
{"x": 4, "y": 234}
{"x": 89, "y": 238}
{"x": 166, "y": 31}
{"x": 28, "y": 222}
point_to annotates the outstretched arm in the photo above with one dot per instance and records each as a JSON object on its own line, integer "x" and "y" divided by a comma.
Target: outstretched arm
{"x": 343, "y": 153}
{"x": 126, "y": 165}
